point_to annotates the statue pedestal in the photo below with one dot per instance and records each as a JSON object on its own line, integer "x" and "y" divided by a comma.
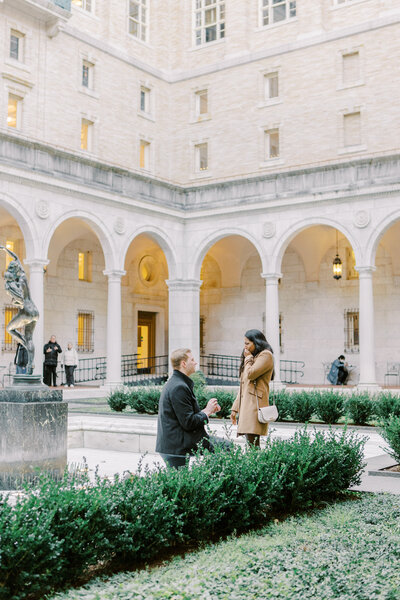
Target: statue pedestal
{"x": 33, "y": 432}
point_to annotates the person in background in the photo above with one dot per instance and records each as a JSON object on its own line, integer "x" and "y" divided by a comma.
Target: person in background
{"x": 51, "y": 351}
{"x": 21, "y": 359}
{"x": 339, "y": 372}
{"x": 255, "y": 373}
{"x": 70, "y": 362}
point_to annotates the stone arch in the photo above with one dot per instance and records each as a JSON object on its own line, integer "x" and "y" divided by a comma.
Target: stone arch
{"x": 283, "y": 243}
{"x": 158, "y": 236}
{"x": 215, "y": 237}
{"x": 31, "y": 237}
{"x": 377, "y": 235}
{"x": 106, "y": 242}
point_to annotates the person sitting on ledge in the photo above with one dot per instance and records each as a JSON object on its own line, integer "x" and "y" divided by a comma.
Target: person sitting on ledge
{"x": 338, "y": 373}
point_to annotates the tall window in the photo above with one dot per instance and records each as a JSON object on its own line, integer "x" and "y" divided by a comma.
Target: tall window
{"x": 144, "y": 154}
{"x": 275, "y": 11}
{"x": 16, "y": 45}
{"x": 138, "y": 18}
{"x": 271, "y": 144}
{"x": 9, "y": 344}
{"x": 85, "y": 331}
{"x": 352, "y": 129}
{"x": 209, "y": 19}
{"x": 14, "y": 111}
{"x": 145, "y": 100}
{"x": 85, "y": 266}
{"x": 201, "y": 157}
{"x": 87, "y": 74}
{"x": 351, "y": 330}
{"x": 85, "y": 4}
{"x": 351, "y": 68}
{"x": 201, "y": 103}
{"x": 86, "y": 134}
{"x": 271, "y": 86}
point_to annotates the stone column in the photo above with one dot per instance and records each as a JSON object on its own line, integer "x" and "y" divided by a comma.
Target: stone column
{"x": 184, "y": 315}
{"x": 36, "y": 272}
{"x": 272, "y": 321}
{"x": 367, "y": 329}
{"x": 114, "y": 328}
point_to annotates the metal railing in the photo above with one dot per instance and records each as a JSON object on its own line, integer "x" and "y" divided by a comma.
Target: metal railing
{"x": 152, "y": 370}
{"x": 219, "y": 369}
{"x": 291, "y": 370}
{"x": 89, "y": 369}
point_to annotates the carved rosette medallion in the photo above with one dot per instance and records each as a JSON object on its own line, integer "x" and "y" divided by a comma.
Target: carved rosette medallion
{"x": 119, "y": 226}
{"x": 361, "y": 219}
{"x": 269, "y": 229}
{"x": 42, "y": 209}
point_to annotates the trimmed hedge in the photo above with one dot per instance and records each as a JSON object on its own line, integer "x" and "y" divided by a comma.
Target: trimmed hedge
{"x": 61, "y": 530}
{"x": 390, "y": 432}
{"x": 300, "y": 406}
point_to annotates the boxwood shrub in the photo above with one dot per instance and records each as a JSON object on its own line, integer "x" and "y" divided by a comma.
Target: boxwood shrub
{"x": 63, "y": 530}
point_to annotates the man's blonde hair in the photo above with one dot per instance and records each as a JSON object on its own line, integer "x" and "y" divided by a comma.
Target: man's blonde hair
{"x": 177, "y": 356}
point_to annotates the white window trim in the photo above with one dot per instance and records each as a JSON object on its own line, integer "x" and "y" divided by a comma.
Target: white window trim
{"x": 142, "y": 137}
{"x": 340, "y": 85}
{"x": 262, "y": 27}
{"x": 336, "y": 6}
{"x": 270, "y": 162}
{"x": 92, "y": 132}
{"x": 145, "y": 42}
{"x": 219, "y": 40}
{"x": 91, "y": 13}
{"x": 150, "y": 114}
{"x": 194, "y": 117}
{"x": 23, "y": 64}
{"x": 350, "y": 109}
{"x": 263, "y": 74}
{"x": 88, "y": 91}
{"x": 196, "y": 173}
{"x": 20, "y": 110}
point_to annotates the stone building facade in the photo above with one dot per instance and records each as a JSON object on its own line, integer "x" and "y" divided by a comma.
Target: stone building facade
{"x": 201, "y": 164}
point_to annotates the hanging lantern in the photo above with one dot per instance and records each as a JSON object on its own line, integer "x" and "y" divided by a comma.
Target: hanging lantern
{"x": 337, "y": 263}
{"x": 337, "y": 267}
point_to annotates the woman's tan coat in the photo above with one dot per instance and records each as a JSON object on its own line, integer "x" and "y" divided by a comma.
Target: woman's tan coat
{"x": 256, "y": 369}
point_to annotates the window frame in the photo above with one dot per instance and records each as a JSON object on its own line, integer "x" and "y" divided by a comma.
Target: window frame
{"x": 142, "y": 4}
{"x": 20, "y": 36}
{"x": 350, "y": 338}
{"x": 84, "y": 5}
{"x": 87, "y": 346}
{"x": 198, "y": 147}
{"x": 90, "y": 133}
{"x": 199, "y": 9}
{"x": 144, "y": 154}
{"x": 267, "y": 144}
{"x": 270, "y": 7}
{"x": 18, "y": 111}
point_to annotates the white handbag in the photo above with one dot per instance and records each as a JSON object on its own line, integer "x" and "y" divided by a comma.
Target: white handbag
{"x": 266, "y": 414}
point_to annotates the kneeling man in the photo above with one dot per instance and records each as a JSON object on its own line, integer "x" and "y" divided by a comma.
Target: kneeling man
{"x": 180, "y": 425}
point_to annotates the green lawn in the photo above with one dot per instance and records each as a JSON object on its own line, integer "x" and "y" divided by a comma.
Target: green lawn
{"x": 350, "y": 550}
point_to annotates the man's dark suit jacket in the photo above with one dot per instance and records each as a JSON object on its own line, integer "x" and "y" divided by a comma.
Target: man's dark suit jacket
{"x": 180, "y": 425}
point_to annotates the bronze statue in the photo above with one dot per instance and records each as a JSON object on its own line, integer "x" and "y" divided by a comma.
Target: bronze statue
{"x": 16, "y": 285}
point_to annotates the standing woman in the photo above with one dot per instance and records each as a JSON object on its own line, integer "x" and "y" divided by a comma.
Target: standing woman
{"x": 256, "y": 369}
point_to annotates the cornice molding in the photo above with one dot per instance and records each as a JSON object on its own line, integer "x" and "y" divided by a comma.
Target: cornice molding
{"x": 356, "y": 179}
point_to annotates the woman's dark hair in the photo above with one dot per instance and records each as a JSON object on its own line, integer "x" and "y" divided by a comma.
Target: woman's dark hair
{"x": 260, "y": 342}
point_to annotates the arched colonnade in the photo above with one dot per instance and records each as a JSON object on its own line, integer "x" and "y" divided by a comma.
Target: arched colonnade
{"x": 44, "y": 241}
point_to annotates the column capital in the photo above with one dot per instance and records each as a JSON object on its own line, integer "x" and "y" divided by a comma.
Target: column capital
{"x": 36, "y": 264}
{"x": 365, "y": 270}
{"x": 114, "y": 274}
{"x": 271, "y": 277}
{"x": 184, "y": 285}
